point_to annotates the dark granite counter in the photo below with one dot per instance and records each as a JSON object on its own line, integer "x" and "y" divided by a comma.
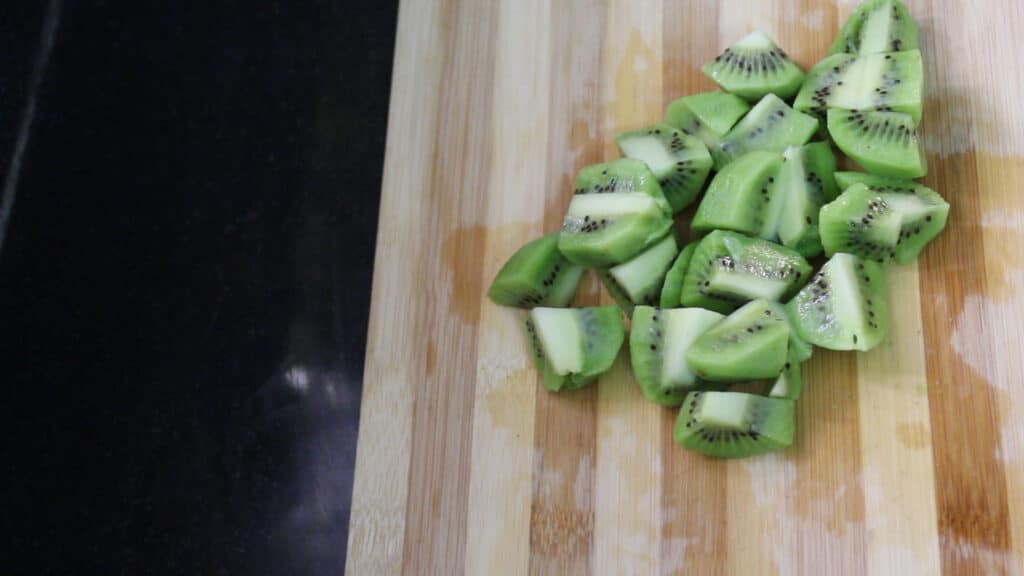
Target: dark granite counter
{"x": 185, "y": 282}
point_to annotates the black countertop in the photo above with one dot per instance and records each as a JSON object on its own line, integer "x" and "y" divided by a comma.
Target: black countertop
{"x": 185, "y": 281}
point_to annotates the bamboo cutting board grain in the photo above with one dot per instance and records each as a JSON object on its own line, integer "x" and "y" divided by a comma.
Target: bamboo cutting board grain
{"x": 908, "y": 459}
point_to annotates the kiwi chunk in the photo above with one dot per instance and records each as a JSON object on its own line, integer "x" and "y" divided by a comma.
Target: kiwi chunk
{"x": 790, "y": 382}
{"x": 885, "y": 143}
{"x": 892, "y": 82}
{"x": 708, "y": 115}
{"x": 679, "y": 161}
{"x": 882, "y": 222}
{"x": 601, "y": 230}
{"x": 843, "y": 307}
{"x": 770, "y": 125}
{"x": 739, "y": 196}
{"x": 536, "y": 275}
{"x": 672, "y": 289}
{"x": 755, "y": 66}
{"x": 728, "y": 269}
{"x": 804, "y": 184}
{"x": 877, "y": 26}
{"x": 573, "y": 346}
{"x": 658, "y": 341}
{"x": 734, "y": 424}
{"x": 639, "y": 279}
{"x": 751, "y": 343}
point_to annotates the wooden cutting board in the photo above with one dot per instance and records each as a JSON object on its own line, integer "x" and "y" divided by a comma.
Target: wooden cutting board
{"x": 908, "y": 459}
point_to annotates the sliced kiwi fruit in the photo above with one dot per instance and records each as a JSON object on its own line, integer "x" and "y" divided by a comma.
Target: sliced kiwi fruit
{"x": 877, "y": 26}
{"x": 536, "y": 275}
{"x": 803, "y": 185}
{"x": 708, "y": 115}
{"x": 799, "y": 349}
{"x": 843, "y": 307}
{"x": 639, "y": 279}
{"x": 882, "y": 222}
{"x": 755, "y": 66}
{"x": 892, "y": 82}
{"x": 751, "y": 343}
{"x": 734, "y": 424}
{"x": 658, "y": 341}
{"x": 679, "y": 161}
{"x": 790, "y": 382}
{"x": 601, "y": 230}
{"x": 846, "y": 179}
{"x": 622, "y": 176}
{"x": 885, "y": 143}
{"x": 573, "y": 346}
{"x": 728, "y": 269}
{"x": 739, "y": 195}
{"x": 770, "y": 125}
{"x": 672, "y": 289}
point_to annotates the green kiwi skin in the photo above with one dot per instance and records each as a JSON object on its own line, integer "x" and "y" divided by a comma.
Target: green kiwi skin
{"x": 849, "y": 38}
{"x": 604, "y": 332}
{"x": 771, "y": 70}
{"x": 683, "y": 179}
{"x": 672, "y": 289}
{"x": 899, "y": 155}
{"x": 708, "y": 115}
{"x": 536, "y": 275}
{"x": 750, "y": 344}
{"x": 743, "y": 251}
{"x": 775, "y": 429}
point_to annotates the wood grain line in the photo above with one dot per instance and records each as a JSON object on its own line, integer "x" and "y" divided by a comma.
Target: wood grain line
{"x": 694, "y": 489}
{"x": 498, "y": 529}
{"x": 562, "y": 505}
{"x": 450, "y": 292}
{"x": 970, "y": 481}
{"x": 627, "y": 508}
{"x": 378, "y": 519}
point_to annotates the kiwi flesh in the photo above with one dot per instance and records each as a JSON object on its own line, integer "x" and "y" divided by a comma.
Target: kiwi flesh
{"x": 658, "y": 341}
{"x": 639, "y": 279}
{"x": 536, "y": 275}
{"x": 573, "y": 346}
{"x": 890, "y": 82}
{"x": 883, "y": 221}
{"x": 739, "y": 196}
{"x": 803, "y": 185}
{"x": 877, "y": 26}
{"x": 734, "y": 424}
{"x": 729, "y": 269}
{"x": 749, "y": 344}
{"x": 680, "y": 162}
{"x": 672, "y": 289}
{"x": 708, "y": 115}
{"x": 601, "y": 230}
{"x": 770, "y": 125}
{"x": 885, "y": 143}
{"x": 755, "y": 66}
{"x": 843, "y": 307}
{"x": 790, "y": 382}
{"x": 799, "y": 349}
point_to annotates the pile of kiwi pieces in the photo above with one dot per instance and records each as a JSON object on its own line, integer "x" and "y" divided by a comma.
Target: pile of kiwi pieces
{"x": 741, "y": 304}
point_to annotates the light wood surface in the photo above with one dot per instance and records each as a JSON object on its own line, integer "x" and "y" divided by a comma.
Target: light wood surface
{"x": 908, "y": 459}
